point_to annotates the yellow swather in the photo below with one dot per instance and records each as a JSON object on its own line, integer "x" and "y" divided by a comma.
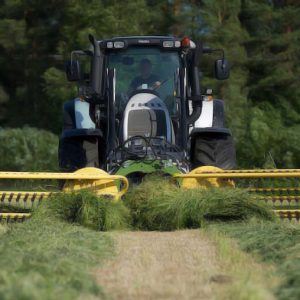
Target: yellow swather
{"x": 208, "y": 177}
{"x": 91, "y": 179}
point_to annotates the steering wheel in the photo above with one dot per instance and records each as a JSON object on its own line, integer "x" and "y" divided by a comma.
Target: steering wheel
{"x": 153, "y": 87}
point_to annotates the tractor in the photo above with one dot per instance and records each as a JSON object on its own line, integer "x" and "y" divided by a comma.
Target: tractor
{"x": 140, "y": 109}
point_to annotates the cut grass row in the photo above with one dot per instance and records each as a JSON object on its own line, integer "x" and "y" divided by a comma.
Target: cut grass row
{"x": 246, "y": 278}
{"x": 277, "y": 243}
{"x": 46, "y": 258}
{"x": 156, "y": 204}
{"x": 58, "y": 254}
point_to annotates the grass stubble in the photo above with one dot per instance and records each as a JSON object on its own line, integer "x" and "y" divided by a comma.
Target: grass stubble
{"x": 275, "y": 243}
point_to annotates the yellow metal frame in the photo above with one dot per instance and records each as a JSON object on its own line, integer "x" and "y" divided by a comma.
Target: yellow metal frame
{"x": 288, "y": 213}
{"x": 23, "y": 199}
{"x": 14, "y": 216}
{"x": 195, "y": 178}
{"x": 102, "y": 183}
{"x": 209, "y": 176}
{"x": 213, "y": 172}
{"x": 92, "y": 179}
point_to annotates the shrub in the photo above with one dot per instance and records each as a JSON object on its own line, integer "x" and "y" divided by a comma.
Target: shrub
{"x": 28, "y": 149}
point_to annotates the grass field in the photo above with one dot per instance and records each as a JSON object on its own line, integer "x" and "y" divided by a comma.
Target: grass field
{"x": 276, "y": 243}
{"x": 60, "y": 251}
{"x": 45, "y": 258}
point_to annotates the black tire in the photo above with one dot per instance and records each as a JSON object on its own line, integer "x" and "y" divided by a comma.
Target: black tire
{"x": 74, "y": 154}
{"x": 213, "y": 149}
{"x": 77, "y": 153}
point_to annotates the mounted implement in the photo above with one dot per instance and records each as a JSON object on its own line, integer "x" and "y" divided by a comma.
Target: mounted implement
{"x": 139, "y": 110}
{"x": 91, "y": 179}
{"x": 284, "y": 196}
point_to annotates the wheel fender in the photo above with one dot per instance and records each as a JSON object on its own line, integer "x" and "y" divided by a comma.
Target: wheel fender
{"x": 76, "y": 115}
{"x": 212, "y": 115}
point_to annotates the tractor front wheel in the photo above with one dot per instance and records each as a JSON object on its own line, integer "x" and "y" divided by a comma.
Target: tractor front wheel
{"x": 213, "y": 149}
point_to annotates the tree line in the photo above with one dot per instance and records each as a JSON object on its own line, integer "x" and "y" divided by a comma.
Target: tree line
{"x": 261, "y": 39}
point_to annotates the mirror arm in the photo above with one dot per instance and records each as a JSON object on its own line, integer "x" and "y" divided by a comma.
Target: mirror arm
{"x": 195, "y": 97}
{"x": 207, "y": 50}
{"x": 97, "y": 64}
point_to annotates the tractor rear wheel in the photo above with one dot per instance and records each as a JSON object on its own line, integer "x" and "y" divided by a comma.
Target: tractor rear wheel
{"x": 213, "y": 149}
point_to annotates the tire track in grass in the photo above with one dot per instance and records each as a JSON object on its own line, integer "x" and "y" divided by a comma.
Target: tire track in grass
{"x": 161, "y": 265}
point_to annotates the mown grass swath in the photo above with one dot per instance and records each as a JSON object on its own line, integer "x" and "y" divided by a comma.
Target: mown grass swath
{"x": 157, "y": 204}
{"x": 89, "y": 210}
{"x": 274, "y": 242}
{"x": 46, "y": 258}
{"x": 49, "y": 256}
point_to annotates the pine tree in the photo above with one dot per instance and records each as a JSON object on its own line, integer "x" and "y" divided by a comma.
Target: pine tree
{"x": 219, "y": 27}
{"x": 273, "y": 79}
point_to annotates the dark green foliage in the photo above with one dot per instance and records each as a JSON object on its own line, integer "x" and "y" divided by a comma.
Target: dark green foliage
{"x": 260, "y": 37}
{"x": 275, "y": 242}
{"x": 157, "y": 204}
{"x": 35, "y": 40}
{"x": 46, "y": 258}
{"x": 28, "y": 149}
{"x": 87, "y": 209}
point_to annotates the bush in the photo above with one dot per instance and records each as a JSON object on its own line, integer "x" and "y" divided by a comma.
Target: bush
{"x": 28, "y": 149}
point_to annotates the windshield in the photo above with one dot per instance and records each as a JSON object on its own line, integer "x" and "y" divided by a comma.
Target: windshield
{"x": 145, "y": 68}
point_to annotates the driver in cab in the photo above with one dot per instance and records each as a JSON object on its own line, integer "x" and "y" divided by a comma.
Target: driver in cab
{"x": 146, "y": 78}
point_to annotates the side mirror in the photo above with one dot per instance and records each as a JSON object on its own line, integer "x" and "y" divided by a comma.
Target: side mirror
{"x": 221, "y": 69}
{"x": 73, "y": 70}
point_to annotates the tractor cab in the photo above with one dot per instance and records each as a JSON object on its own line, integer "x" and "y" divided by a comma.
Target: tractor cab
{"x": 138, "y": 102}
{"x": 145, "y": 70}
{"x": 146, "y": 79}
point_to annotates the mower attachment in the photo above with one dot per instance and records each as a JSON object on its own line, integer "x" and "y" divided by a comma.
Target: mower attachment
{"x": 14, "y": 216}
{"x": 90, "y": 179}
{"x": 283, "y": 197}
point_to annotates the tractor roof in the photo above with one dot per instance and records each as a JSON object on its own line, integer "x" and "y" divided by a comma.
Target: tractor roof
{"x": 169, "y": 42}
{"x": 142, "y": 37}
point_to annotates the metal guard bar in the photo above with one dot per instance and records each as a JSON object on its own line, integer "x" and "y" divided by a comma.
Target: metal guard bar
{"x": 24, "y": 198}
{"x": 78, "y": 176}
{"x": 276, "y": 173}
{"x": 14, "y": 216}
{"x": 59, "y": 176}
{"x": 288, "y": 213}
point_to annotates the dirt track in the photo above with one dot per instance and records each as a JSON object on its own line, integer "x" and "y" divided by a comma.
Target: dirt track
{"x": 161, "y": 265}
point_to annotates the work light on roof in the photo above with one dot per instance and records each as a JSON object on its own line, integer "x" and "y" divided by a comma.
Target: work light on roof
{"x": 177, "y": 44}
{"x": 119, "y": 44}
{"x": 168, "y": 44}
